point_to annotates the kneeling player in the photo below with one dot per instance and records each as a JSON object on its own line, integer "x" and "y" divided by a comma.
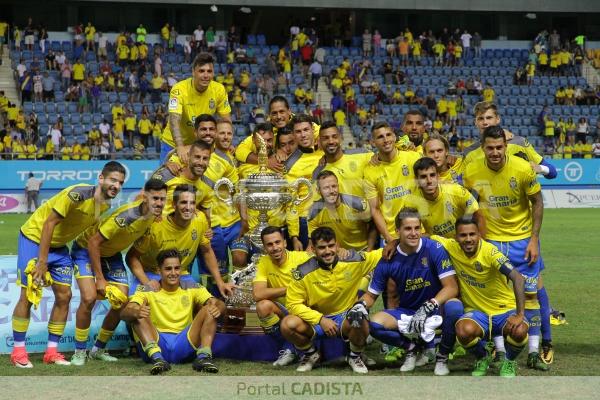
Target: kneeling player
{"x": 425, "y": 281}
{"x": 323, "y": 290}
{"x": 483, "y": 275}
{"x": 163, "y": 321}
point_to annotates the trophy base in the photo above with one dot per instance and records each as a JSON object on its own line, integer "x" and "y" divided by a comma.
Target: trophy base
{"x": 240, "y": 320}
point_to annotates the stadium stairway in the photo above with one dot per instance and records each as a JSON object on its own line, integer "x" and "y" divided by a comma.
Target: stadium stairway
{"x": 7, "y": 80}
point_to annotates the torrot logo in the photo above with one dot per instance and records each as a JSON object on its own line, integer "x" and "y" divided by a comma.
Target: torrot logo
{"x": 67, "y": 175}
{"x": 573, "y": 171}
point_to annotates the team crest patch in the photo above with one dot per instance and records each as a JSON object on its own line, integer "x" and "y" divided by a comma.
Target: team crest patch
{"x": 194, "y": 235}
{"x": 449, "y": 207}
{"x": 405, "y": 170}
{"x": 296, "y": 274}
{"x": 185, "y": 301}
{"x": 211, "y": 104}
{"x": 348, "y": 276}
{"x": 478, "y": 266}
{"x": 513, "y": 183}
{"x": 353, "y": 166}
{"x": 120, "y": 221}
{"x": 424, "y": 261}
{"x": 75, "y": 196}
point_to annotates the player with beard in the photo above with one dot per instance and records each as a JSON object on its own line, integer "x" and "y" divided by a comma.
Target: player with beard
{"x": 43, "y": 256}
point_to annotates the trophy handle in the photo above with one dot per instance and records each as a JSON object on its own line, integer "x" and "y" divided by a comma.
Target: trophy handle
{"x": 230, "y": 189}
{"x": 296, "y": 184}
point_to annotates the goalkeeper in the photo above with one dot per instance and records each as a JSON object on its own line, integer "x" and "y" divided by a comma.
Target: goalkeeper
{"x": 426, "y": 286}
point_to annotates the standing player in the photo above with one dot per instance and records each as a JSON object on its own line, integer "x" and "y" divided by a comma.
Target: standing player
{"x": 185, "y": 229}
{"x": 388, "y": 184}
{"x": 188, "y": 99}
{"x": 437, "y": 147}
{"x": 425, "y": 282}
{"x": 323, "y": 290}
{"x": 163, "y": 320}
{"x": 346, "y": 214}
{"x": 98, "y": 262}
{"x": 43, "y": 254}
{"x": 440, "y": 205}
{"x": 492, "y": 307}
{"x": 511, "y": 201}
{"x": 269, "y": 287}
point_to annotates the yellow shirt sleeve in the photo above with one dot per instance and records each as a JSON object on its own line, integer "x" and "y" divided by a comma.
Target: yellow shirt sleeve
{"x": 244, "y": 149}
{"x": 200, "y": 295}
{"x": 294, "y": 300}
{"x": 261, "y": 270}
{"x": 176, "y": 100}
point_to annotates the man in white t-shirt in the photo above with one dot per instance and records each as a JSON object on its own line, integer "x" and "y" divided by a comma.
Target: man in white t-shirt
{"x": 55, "y": 136}
{"x": 104, "y": 128}
{"x": 465, "y": 38}
{"x": 102, "y": 42}
{"x": 60, "y": 59}
{"x": 199, "y": 37}
{"x": 21, "y": 68}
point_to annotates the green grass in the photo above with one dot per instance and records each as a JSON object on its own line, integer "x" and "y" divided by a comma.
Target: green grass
{"x": 571, "y": 277}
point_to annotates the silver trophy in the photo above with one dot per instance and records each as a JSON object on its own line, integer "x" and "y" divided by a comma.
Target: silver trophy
{"x": 262, "y": 191}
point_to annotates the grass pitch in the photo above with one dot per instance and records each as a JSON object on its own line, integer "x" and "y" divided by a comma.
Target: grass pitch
{"x": 572, "y": 277}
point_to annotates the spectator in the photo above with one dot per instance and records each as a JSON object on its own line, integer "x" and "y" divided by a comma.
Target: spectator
{"x": 476, "y": 43}
{"x": 465, "y": 39}
{"x": 172, "y": 39}
{"x": 596, "y": 148}
{"x": 376, "y": 43}
{"x": 316, "y": 70}
{"x": 367, "y": 39}
{"x": 26, "y": 86}
{"x": 90, "y": 34}
{"x": 583, "y": 129}
{"x": 221, "y": 50}
{"x": 50, "y": 61}
{"x": 37, "y": 86}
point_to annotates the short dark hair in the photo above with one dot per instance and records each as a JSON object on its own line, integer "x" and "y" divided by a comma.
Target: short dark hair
{"x": 465, "y": 221}
{"x": 413, "y": 112}
{"x": 406, "y": 212}
{"x": 379, "y": 125}
{"x": 265, "y": 126}
{"x": 282, "y": 132}
{"x": 277, "y": 99}
{"x": 424, "y": 163}
{"x": 324, "y": 233}
{"x": 203, "y": 59}
{"x": 300, "y": 118}
{"x": 155, "y": 185}
{"x": 325, "y": 174}
{"x": 167, "y": 253}
{"x": 113, "y": 166}
{"x": 270, "y": 230}
{"x": 204, "y": 118}
{"x": 183, "y": 188}
{"x": 200, "y": 144}
{"x": 493, "y": 132}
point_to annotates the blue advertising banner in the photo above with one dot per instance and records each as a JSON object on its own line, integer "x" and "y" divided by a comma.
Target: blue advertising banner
{"x": 574, "y": 172}
{"x": 60, "y": 174}
{"x": 37, "y": 335}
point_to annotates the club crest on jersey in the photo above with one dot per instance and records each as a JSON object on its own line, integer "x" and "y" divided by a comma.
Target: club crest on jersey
{"x": 194, "y": 235}
{"x": 185, "y": 301}
{"x": 353, "y": 166}
{"x": 120, "y": 221}
{"x": 348, "y": 276}
{"x": 75, "y": 196}
{"x": 478, "y": 266}
{"x": 211, "y": 104}
{"x": 513, "y": 183}
{"x": 449, "y": 207}
{"x": 424, "y": 261}
{"x": 405, "y": 170}
{"x": 296, "y": 274}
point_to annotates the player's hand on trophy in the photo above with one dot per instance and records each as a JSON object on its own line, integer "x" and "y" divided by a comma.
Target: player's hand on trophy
{"x": 357, "y": 314}
{"x": 274, "y": 164}
{"x": 144, "y": 310}
{"x": 226, "y": 288}
{"x": 329, "y": 326}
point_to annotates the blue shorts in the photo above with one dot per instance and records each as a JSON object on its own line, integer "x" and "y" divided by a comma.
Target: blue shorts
{"x": 60, "y": 264}
{"x": 337, "y": 318}
{"x": 185, "y": 281}
{"x": 113, "y": 268}
{"x": 483, "y": 320}
{"x": 515, "y": 252}
{"x": 223, "y": 238}
{"x": 245, "y": 245}
{"x": 164, "y": 150}
{"x": 176, "y": 348}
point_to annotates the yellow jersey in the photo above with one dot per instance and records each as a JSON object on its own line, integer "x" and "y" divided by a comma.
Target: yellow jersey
{"x": 123, "y": 227}
{"x": 517, "y": 146}
{"x": 483, "y": 278}
{"x": 204, "y": 192}
{"x": 279, "y": 276}
{"x": 317, "y": 291}
{"x": 130, "y": 123}
{"x": 164, "y": 234}
{"x": 391, "y": 183}
{"x": 172, "y": 312}
{"x": 454, "y": 173}
{"x": 349, "y": 171}
{"x": 503, "y": 197}
{"x": 221, "y": 165}
{"x": 186, "y": 101}
{"x": 439, "y": 216}
{"x": 350, "y": 220}
{"x": 78, "y": 208}
{"x": 144, "y": 126}
{"x": 247, "y": 146}
{"x": 301, "y": 165}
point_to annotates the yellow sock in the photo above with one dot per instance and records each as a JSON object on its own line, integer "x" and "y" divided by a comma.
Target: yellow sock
{"x": 104, "y": 335}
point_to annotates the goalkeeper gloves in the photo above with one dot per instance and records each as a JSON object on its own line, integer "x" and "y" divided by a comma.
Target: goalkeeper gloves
{"x": 357, "y": 314}
{"x": 417, "y": 323}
